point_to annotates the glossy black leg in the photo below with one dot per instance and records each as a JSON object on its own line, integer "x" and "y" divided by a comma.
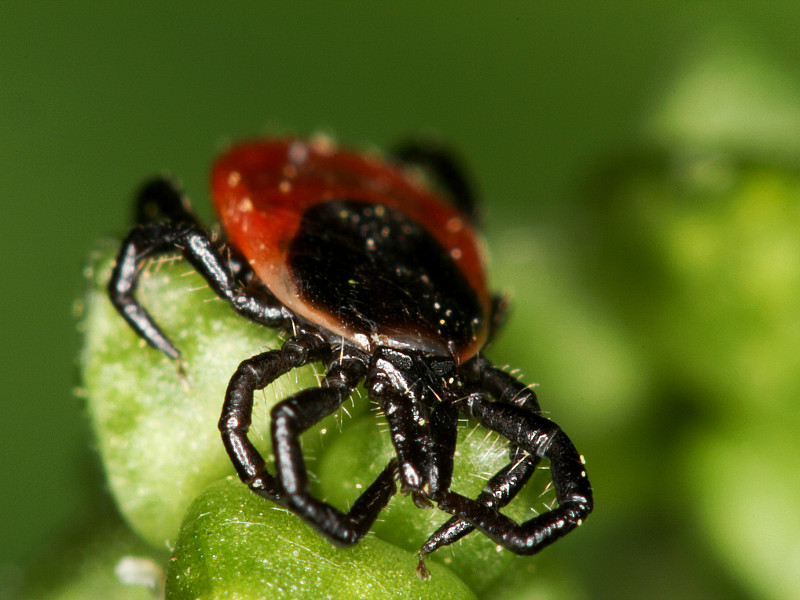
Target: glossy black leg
{"x": 160, "y": 199}
{"x": 289, "y": 486}
{"x": 541, "y": 438}
{"x": 506, "y": 484}
{"x": 196, "y": 246}
{"x": 509, "y": 390}
{"x": 254, "y": 374}
{"x": 505, "y": 388}
{"x": 290, "y": 419}
{"x": 446, "y": 170}
{"x": 498, "y": 492}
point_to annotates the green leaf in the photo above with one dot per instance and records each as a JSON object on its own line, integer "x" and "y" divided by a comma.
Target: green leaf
{"x": 156, "y": 431}
{"x": 236, "y": 546}
{"x": 156, "y": 428}
{"x": 357, "y": 456}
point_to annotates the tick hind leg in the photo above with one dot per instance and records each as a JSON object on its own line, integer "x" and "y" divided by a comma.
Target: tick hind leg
{"x": 290, "y": 418}
{"x": 204, "y": 255}
{"x": 446, "y": 170}
{"x": 161, "y": 199}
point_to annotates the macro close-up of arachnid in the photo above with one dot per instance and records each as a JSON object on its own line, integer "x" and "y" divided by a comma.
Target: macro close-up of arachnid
{"x": 382, "y": 302}
{"x": 377, "y": 275}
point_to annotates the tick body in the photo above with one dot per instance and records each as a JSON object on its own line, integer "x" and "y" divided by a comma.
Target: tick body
{"x": 379, "y": 277}
{"x": 351, "y": 244}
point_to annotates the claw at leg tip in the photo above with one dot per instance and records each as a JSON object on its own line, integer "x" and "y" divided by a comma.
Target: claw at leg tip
{"x": 422, "y": 571}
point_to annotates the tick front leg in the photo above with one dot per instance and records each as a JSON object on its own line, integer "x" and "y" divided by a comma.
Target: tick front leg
{"x": 498, "y": 492}
{"x": 506, "y": 484}
{"x": 290, "y": 419}
{"x": 541, "y": 438}
{"x": 253, "y": 374}
{"x": 507, "y": 389}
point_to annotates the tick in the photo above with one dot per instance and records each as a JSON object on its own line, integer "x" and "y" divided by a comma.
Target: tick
{"x": 378, "y": 277}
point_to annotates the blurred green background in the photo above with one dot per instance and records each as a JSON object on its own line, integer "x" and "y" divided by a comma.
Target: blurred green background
{"x": 638, "y": 164}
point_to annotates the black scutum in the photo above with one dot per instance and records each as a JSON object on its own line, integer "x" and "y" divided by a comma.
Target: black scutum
{"x": 379, "y": 272}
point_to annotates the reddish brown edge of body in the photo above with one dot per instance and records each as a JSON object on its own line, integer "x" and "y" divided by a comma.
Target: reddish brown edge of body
{"x": 262, "y": 188}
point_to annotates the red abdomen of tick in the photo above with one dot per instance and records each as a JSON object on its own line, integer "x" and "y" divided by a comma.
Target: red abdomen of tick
{"x": 356, "y": 245}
